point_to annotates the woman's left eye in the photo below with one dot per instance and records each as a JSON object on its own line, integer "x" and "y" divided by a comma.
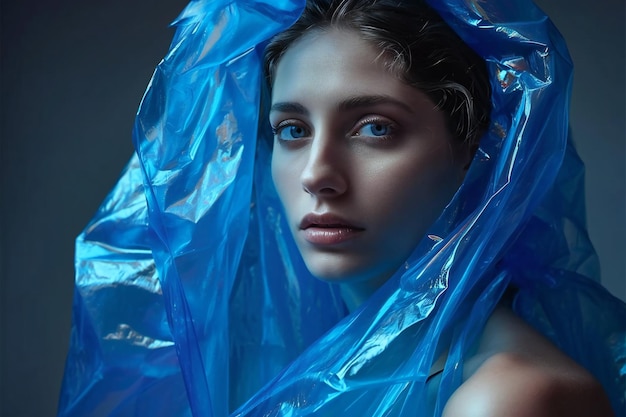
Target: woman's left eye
{"x": 375, "y": 129}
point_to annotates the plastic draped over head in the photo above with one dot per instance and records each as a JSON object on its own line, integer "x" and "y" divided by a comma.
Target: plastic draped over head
{"x": 191, "y": 297}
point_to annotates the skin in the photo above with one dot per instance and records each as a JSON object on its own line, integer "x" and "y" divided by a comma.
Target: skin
{"x": 516, "y": 372}
{"x": 388, "y": 167}
{"x": 354, "y": 141}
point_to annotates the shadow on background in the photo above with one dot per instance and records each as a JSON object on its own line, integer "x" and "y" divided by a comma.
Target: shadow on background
{"x": 73, "y": 74}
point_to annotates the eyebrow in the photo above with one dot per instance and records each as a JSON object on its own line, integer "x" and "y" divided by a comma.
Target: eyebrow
{"x": 350, "y": 103}
{"x": 286, "y": 107}
{"x": 373, "y": 100}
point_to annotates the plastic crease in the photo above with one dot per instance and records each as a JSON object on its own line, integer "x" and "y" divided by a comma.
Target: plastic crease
{"x": 191, "y": 298}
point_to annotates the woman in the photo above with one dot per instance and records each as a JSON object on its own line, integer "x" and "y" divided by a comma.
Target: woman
{"x": 369, "y": 151}
{"x": 401, "y": 171}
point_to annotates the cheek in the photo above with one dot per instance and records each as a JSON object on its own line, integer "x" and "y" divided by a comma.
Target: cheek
{"x": 433, "y": 191}
{"x": 277, "y": 175}
{"x": 284, "y": 175}
{"x": 418, "y": 189}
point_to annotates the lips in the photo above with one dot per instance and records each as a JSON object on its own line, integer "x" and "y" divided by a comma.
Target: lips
{"x": 328, "y": 229}
{"x": 326, "y": 220}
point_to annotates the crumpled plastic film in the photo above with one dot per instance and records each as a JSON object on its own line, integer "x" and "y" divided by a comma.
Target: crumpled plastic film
{"x": 191, "y": 297}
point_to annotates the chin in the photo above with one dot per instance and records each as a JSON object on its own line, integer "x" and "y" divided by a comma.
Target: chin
{"x": 330, "y": 274}
{"x": 326, "y": 267}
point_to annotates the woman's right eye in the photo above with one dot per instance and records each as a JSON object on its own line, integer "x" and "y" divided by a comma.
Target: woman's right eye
{"x": 289, "y": 132}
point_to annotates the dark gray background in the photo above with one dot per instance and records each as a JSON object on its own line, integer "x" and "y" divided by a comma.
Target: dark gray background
{"x": 73, "y": 73}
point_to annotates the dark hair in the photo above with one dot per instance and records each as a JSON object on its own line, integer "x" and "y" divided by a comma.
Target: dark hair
{"x": 418, "y": 46}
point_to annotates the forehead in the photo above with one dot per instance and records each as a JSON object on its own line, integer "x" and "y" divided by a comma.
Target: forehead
{"x": 336, "y": 59}
{"x": 325, "y": 42}
{"x": 324, "y": 69}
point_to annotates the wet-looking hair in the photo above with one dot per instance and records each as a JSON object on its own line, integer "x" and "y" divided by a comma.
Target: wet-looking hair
{"x": 417, "y": 45}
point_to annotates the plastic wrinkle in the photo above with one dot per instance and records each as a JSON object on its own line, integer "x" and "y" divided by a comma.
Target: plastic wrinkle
{"x": 191, "y": 298}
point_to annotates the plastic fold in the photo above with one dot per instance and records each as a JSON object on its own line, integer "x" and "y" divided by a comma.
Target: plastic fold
{"x": 191, "y": 298}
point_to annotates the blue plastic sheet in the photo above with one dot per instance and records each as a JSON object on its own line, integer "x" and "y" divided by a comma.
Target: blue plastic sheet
{"x": 191, "y": 297}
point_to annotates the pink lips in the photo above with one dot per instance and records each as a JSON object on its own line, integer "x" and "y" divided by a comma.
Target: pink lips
{"x": 328, "y": 229}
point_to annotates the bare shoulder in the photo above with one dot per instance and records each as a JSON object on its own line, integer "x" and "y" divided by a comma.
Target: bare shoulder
{"x": 510, "y": 385}
{"x": 524, "y": 375}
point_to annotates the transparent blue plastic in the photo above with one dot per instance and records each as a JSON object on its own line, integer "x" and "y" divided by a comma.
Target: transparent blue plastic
{"x": 191, "y": 298}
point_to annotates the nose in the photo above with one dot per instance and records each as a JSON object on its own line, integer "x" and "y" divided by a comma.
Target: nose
{"x": 324, "y": 174}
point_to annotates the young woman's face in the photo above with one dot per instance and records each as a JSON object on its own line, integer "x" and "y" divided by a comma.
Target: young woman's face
{"x": 362, "y": 162}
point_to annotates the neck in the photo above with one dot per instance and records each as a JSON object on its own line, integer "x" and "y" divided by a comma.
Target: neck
{"x": 356, "y": 293}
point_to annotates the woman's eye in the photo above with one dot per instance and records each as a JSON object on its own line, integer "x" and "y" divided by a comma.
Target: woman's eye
{"x": 375, "y": 129}
{"x": 290, "y": 132}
